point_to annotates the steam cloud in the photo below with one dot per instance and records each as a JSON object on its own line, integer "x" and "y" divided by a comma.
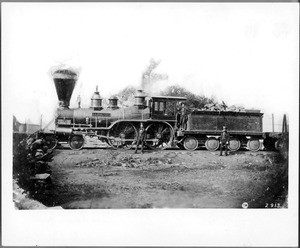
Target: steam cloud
{"x": 149, "y": 77}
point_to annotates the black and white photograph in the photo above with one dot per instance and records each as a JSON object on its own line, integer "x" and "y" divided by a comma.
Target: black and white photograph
{"x": 146, "y": 123}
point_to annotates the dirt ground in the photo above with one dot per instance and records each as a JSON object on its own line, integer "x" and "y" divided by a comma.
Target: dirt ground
{"x": 104, "y": 178}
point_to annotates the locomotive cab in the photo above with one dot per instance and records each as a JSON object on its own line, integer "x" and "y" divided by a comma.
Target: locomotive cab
{"x": 165, "y": 107}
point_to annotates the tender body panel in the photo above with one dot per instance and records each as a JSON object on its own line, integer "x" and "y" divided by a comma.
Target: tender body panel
{"x": 234, "y": 121}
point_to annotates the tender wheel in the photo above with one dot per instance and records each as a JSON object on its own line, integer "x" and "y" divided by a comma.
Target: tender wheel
{"x": 159, "y": 135}
{"x": 212, "y": 144}
{"x": 76, "y": 142}
{"x": 253, "y": 145}
{"x": 122, "y": 135}
{"x": 50, "y": 141}
{"x": 234, "y": 144}
{"x": 190, "y": 143}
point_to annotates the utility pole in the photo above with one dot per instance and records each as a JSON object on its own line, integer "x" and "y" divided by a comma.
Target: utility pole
{"x": 273, "y": 123}
{"x": 25, "y": 125}
{"x": 41, "y": 122}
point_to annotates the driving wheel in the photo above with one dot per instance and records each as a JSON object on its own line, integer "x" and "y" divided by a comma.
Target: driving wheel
{"x": 122, "y": 135}
{"x": 159, "y": 135}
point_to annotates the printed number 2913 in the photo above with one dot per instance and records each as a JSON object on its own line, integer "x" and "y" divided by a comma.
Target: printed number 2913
{"x": 272, "y": 205}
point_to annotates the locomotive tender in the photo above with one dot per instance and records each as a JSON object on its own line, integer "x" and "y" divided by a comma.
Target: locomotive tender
{"x": 118, "y": 126}
{"x": 205, "y": 127}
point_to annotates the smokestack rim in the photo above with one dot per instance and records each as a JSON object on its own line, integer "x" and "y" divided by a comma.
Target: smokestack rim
{"x": 64, "y": 74}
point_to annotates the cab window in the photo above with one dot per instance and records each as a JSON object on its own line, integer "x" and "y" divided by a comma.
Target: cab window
{"x": 159, "y": 107}
{"x": 166, "y": 108}
{"x": 156, "y": 106}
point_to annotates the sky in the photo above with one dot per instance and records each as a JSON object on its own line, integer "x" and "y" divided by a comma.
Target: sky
{"x": 240, "y": 53}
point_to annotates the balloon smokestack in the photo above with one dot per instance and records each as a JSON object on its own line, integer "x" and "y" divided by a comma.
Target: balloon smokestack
{"x": 65, "y": 81}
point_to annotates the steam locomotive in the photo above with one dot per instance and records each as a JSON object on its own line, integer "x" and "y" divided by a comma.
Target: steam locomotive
{"x": 118, "y": 126}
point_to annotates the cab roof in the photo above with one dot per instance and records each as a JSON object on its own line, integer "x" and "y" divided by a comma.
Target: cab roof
{"x": 169, "y": 98}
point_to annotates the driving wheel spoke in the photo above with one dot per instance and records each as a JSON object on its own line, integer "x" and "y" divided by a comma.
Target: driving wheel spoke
{"x": 122, "y": 135}
{"x": 159, "y": 135}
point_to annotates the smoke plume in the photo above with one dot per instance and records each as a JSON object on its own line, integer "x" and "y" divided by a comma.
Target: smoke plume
{"x": 149, "y": 77}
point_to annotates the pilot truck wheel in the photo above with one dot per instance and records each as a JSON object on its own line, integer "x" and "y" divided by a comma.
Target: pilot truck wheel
{"x": 51, "y": 141}
{"x": 76, "y": 142}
